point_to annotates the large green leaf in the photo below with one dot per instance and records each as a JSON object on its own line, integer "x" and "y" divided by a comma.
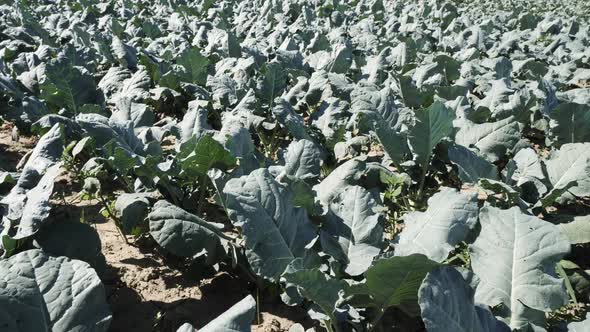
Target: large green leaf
{"x": 528, "y": 167}
{"x": 503, "y": 101}
{"x": 287, "y": 117}
{"x": 83, "y": 242}
{"x": 523, "y": 251}
{"x": 302, "y": 160}
{"x": 132, "y": 210}
{"x": 238, "y": 318}
{"x": 470, "y": 165}
{"x": 447, "y": 304}
{"x": 570, "y": 165}
{"x": 356, "y": 171}
{"x": 198, "y": 155}
{"x": 395, "y": 281}
{"x": 69, "y": 87}
{"x": 44, "y": 293}
{"x": 28, "y": 201}
{"x": 353, "y": 231}
{"x": 185, "y": 234}
{"x": 274, "y": 81}
{"x": 37, "y": 207}
{"x": 577, "y": 230}
{"x": 318, "y": 287}
{"x": 274, "y": 230}
{"x": 491, "y": 139}
{"x": 569, "y": 123}
{"x": 195, "y": 66}
{"x": 432, "y": 125}
{"x": 379, "y": 115}
{"x": 125, "y": 54}
{"x": 450, "y": 217}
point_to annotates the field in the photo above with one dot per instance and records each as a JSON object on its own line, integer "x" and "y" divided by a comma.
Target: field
{"x": 294, "y": 165}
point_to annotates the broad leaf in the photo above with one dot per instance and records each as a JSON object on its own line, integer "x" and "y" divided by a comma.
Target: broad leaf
{"x": 132, "y": 210}
{"x": 66, "y": 86}
{"x": 195, "y": 66}
{"x": 450, "y": 217}
{"x": 570, "y": 165}
{"x": 185, "y": 234}
{"x": 379, "y": 115}
{"x": 432, "y": 125}
{"x": 524, "y": 250}
{"x": 238, "y": 318}
{"x": 275, "y": 232}
{"x": 197, "y": 156}
{"x": 492, "y": 139}
{"x": 83, "y": 242}
{"x": 318, "y": 287}
{"x": 580, "y": 326}
{"x": 273, "y": 82}
{"x": 447, "y": 304}
{"x": 353, "y": 232}
{"x": 395, "y": 281}
{"x": 302, "y": 160}
{"x": 470, "y": 165}
{"x": 44, "y": 293}
{"x": 569, "y": 123}
{"x": 577, "y": 230}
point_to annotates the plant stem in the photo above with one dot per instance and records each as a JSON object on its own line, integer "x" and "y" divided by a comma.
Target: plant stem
{"x": 113, "y": 216}
{"x": 375, "y": 321}
{"x": 422, "y": 180}
{"x": 258, "y": 305}
{"x": 202, "y": 191}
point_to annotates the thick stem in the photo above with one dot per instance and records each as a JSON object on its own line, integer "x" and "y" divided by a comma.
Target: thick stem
{"x": 202, "y": 192}
{"x": 375, "y": 321}
{"x": 113, "y": 216}
{"x": 422, "y": 181}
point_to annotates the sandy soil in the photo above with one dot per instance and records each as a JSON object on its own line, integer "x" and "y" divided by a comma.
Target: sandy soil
{"x": 146, "y": 294}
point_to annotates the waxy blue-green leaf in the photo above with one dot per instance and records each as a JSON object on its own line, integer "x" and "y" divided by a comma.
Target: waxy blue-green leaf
{"x": 448, "y": 220}
{"x": 492, "y": 139}
{"x": 380, "y": 115}
{"x": 238, "y": 318}
{"x": 273, "y": 82}
{"x": 318, "y": 287}
{"x": 432, "y": 125}
{"x": 67, "y": 86}
{"x": 580, "y": 326}
{"x": 569, "y": 123}
{"x": 195, "y": 66}
{"x": 198, "y": 155}
{"x": 470, "y": 165}
{"x": 353, "y": 231}
{"x": 447, "y": 304}
{"x": 569, "y": 169}
{"x": 275, "y": 231}
{"x": 524, "y": 250}
{"x": 44, "y": 293}
{"x": 132, "y": 210}
{"x": 185, "y": 234}
{"x": 395, "y": 281}
{"x": 302, "y": 160}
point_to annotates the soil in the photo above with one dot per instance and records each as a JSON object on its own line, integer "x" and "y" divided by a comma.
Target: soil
{"x": 146, "y": 289}
{"x": 11, "y": 152}
{"x": 147, "y": 294}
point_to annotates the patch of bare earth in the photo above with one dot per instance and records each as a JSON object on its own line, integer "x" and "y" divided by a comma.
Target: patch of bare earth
{"x": 146, "y": 294}
{"x": 12, "y": 151}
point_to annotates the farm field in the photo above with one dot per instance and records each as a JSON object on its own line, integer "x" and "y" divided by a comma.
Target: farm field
{"x": 294, "y": 165}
